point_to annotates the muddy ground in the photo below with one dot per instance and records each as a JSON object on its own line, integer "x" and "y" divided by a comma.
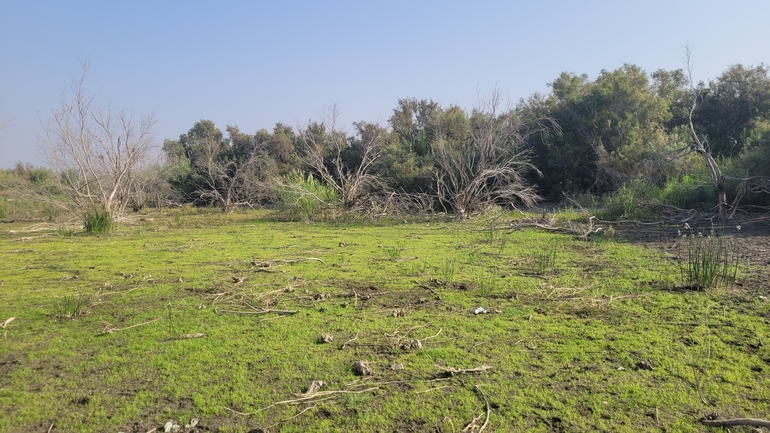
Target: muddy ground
{"x": 749, "y": 239}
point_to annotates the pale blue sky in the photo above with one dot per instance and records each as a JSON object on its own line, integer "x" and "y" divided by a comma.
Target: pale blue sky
{"x": 255, "y": 63}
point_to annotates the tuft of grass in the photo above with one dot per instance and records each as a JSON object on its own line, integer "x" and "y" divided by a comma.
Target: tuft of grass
{"x": 394, "y": 253}
{"x": 64, "y": 232}
{"x": 487, "y": 283}
{"x": 98, "y": 221}
{"x": 544, "y": 262}
{"x": 448, "y": 269}
{"x": 306, "y": 199}
{"x": 711, "y": 262}
{"x": 69, "y": 307}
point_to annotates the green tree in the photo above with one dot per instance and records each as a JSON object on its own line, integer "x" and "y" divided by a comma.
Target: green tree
{"x": 731, "y": 104}
{"x": 608, "y": 129}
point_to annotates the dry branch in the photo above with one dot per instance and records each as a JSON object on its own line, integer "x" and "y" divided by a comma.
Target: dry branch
{"x": 304, "y": 399}
{"x": 736, "y": 421}
{"x": 471, "y": 428}
{"x": 109, "y": 329}
{"x": 349, "y": 341}
{"x": 265, "y": 311}
{"x": 277, "y": 262}
{"x": 451, "y": 371}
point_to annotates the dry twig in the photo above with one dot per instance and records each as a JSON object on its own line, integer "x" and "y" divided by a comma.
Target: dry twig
{"x": 472, "y": 427}
{"x": 736, "y": 421}
{"x": 451, "y": 371}
{"x": 109, "y": 329}
{"x": 349, "y": 341}
{"x": 264, "y": 311}
{"x": 303, "y": 399}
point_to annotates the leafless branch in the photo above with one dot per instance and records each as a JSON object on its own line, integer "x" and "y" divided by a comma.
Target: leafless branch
{"x": 490, "y": 166}
{"x": 95, "y": 151}
{"x": 325, "y": 147}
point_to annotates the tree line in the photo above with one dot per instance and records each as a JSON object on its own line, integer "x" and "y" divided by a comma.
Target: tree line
{"x": 639, "y": 140}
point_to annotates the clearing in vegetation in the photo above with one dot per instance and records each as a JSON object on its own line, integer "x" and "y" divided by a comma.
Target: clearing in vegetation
{"x": 194, "y": 320}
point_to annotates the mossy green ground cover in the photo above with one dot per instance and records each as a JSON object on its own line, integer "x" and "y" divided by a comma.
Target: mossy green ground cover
{"x": 581, "y": 335}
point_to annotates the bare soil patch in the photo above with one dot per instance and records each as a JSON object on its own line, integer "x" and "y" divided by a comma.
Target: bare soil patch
{"x": 749, "y": 237}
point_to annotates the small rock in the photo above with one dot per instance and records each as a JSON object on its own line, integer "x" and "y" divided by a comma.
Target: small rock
{"x": 362, "y": 368}
{"x": 193, "y": 423}
{"x": 314, "y": 387}
{"x": 398, "y": 313}
{"x": 412, "y": 345}
{"x": 325, "y": 338}
{"x": 643, "y": 365}
{"x": 196, "y": 335}
{"x": 397, "y": 367}
{"x": 480, "y": 310}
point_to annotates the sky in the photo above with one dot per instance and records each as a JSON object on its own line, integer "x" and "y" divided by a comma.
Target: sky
{"x": 255, "y": 63}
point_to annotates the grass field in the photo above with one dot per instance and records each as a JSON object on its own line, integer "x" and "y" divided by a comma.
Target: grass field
{"x": 197, "y": 315}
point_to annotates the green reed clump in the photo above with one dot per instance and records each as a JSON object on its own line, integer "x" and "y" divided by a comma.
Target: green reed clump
{"x": 711, "y": 262}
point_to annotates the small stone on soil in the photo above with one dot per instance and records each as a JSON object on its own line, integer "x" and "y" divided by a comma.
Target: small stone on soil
{"x": 412, "y": 345}
{"x": 362, "y": 368}
{"x": 643, "y": 365}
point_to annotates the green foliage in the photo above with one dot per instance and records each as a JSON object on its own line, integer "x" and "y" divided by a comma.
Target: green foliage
{"x": 608, "y": 127}
{"x": 732, "y": 104}
{"x": 632, "y": 202}
{"x": 711, "y": 262}
{"x": 304, "y": 198}
{"x": 640, "y": 200}
{"x": 755, "y": 159}
{"x": 97, "y": 221}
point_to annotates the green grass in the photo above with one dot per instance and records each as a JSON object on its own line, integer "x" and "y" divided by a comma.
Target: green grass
{"x": 565, "y": 350}
{"x": 711, "y": 262}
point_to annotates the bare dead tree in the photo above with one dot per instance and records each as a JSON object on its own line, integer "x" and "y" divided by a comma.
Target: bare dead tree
{"x": 95, "y": 151}
{"x": 151, "y": 187}
{"x": 696, "y": 145}
{"x": 325, "y": 147}
{"x": 490, "y": 166}
{"x": 226, "y": 180}
{"x": 755, "y": 184}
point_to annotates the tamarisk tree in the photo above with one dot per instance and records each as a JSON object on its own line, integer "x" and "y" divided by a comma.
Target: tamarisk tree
{"x": 487, "y": 163}
{"x": 342, "y": 162}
